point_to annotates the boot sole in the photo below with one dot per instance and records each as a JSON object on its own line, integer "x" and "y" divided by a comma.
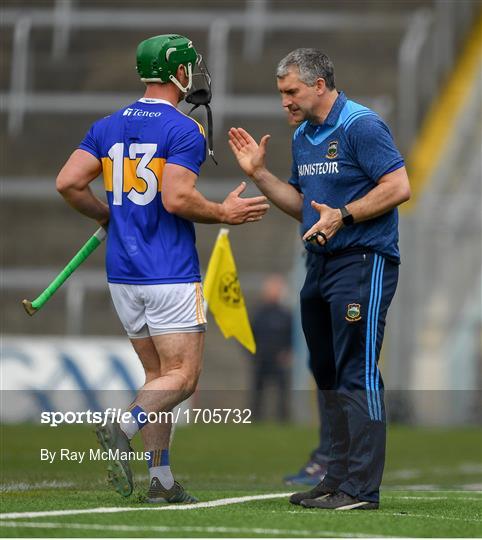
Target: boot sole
{"x": 117, "y": 474}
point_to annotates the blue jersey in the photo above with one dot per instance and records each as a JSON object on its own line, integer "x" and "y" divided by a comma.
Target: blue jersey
{"x": 145, "y": 243}
{"x": 340, "y": 161}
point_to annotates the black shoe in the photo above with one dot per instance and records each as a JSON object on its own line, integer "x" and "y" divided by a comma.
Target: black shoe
{"x": 159, "y": 494}
{"x": 113, "y": 439}
{"x": 319, "y": 492}
{"x": 339, "y": 501}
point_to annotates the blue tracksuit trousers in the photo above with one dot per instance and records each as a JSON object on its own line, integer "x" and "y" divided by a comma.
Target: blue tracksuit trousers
{"x": 344, "y": 303}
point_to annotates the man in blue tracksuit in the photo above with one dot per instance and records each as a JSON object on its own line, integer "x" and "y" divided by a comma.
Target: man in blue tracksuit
{"x": 346, "y": 182}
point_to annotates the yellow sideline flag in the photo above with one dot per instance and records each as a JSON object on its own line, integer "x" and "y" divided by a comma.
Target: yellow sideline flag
{"x": 223, "y": 295}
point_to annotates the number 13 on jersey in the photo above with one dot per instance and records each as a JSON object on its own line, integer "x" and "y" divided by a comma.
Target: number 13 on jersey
{"x": 139, "y": 177}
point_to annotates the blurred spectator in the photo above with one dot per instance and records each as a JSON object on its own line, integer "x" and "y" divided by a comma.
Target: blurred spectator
{"x": 271, "y": 364}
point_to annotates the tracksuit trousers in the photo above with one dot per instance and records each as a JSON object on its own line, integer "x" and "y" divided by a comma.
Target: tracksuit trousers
{"x": 344, "y": 303}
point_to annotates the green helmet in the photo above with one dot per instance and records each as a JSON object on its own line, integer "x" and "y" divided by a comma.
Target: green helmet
{"x": 159, "y": 57}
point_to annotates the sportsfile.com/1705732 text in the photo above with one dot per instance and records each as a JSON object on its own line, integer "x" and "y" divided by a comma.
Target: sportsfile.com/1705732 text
{"x": 184, "y": 416}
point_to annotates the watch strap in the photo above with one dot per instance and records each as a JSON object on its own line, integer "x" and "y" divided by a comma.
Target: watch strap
{"x": 346, "y": 217}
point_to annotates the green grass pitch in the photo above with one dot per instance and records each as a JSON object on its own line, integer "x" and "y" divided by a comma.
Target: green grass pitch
{"x": 431, "y": 486}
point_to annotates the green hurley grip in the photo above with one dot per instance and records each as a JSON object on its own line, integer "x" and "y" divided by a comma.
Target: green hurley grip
{"x": 87, "y": 249}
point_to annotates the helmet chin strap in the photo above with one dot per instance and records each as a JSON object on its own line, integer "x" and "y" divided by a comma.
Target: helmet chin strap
{"x": 203, "y": 97}
{"x": 184, "y": 89}
{"x": 210, "y": 128}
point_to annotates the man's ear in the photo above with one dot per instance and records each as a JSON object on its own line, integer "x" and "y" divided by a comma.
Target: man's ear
{"x": 320, "y": 86}
{"x": 181, "y": 72}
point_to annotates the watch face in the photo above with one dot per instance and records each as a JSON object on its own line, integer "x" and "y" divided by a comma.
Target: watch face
{"x": 347, "y": 218}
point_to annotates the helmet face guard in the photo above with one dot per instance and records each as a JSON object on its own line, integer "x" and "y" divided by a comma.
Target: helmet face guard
{"x": 200, "y": 90}
{"x": 158, "y": 59}
{"x": 200, "y": 94}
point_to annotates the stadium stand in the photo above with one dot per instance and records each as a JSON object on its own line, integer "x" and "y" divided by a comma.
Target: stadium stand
{"x": 66, "y": 63}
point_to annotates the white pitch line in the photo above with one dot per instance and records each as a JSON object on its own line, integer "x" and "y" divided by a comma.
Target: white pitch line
{"x": 468, "y": 488}
{"x": 161, "y": 528}
{"x": 207, "y": 504}
{"x": 472, "y": 520}
{"x": 462, "y": 468}
{"x": 115, "y": 509}
{"x": 25, "y": 486}
{"x": 424, "y": 498}
{"x": 383, "y": 513}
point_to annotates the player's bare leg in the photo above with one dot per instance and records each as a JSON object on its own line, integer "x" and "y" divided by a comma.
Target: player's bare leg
{"x": 181, "y": 359}
{"x": 155, "y": 435}
{"x": 169, "y": 361}
{"x": 113, "y": 437}
{"x": 172, "y": 363}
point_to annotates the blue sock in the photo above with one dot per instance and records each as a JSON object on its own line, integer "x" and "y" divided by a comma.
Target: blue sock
{"x": 159, "y": 467}
{"x": 133, "y": 421}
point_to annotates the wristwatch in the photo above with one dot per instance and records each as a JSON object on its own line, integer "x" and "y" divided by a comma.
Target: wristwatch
{"x": 346, "y": 217}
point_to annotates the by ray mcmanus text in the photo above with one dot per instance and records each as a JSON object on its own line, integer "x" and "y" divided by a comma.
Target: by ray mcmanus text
{"x": 78, "y": 456}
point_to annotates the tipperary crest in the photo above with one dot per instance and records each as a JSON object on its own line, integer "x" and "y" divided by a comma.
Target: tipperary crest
{"x": 230, "y": 290}
{"x": 353, "y": 312}
{"x": 332, "y": 152}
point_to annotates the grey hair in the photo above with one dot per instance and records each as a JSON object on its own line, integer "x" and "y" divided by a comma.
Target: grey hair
{"x": 312, "y": 65}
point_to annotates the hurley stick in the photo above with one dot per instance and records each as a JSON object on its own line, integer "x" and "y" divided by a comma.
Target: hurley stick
{"x": 87, "y": 249}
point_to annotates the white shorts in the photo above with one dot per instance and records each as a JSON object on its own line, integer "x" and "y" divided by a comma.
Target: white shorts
{"x": 151, "y": 310}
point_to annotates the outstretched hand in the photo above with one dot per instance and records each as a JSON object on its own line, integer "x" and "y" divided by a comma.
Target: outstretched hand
{"x": 248, "y": 152}
{"x": 237, "y": 210}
